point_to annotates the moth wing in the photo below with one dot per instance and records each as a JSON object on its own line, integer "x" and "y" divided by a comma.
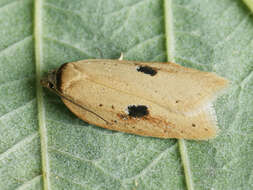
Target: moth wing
{"x": 176, "y": 88}
{"x": 114, "y": 106}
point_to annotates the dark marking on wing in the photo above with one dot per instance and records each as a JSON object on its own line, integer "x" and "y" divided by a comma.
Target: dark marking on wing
{"x": 137, "y": 111}
{"x": 147, "y": 70}
{"x": 59, "y": 76}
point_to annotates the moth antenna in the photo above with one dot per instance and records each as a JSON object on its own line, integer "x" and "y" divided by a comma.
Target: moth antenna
{"x": 80, "y": 106}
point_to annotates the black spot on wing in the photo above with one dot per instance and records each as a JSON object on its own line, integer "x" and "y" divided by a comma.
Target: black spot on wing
{"x": 137, "y": 111}
{"x": 147, "y": 70}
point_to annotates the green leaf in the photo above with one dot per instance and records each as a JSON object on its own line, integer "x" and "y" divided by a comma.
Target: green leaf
{"x": 44, "y": 146}
{"x": 249, "y": 3}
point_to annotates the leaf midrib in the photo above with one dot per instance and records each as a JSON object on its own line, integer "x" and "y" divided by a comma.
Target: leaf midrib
{"x": 170, "y": 48}
{"x": 170, "y": 51}
{"x": 40, "y": 102}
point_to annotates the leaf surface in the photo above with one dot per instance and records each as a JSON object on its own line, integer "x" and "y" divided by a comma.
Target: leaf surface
{"x": 44, "y": 146}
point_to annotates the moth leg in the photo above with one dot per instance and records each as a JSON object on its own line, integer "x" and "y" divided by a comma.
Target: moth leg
{"x": 121, "y": 56}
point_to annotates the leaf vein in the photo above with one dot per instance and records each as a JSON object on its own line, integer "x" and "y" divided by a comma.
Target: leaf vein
{"x": 38, "y": 28}
{"x": 70, "y": 181}
{"x": 17, "y": 43}
{"x": 19, "y": 144}
{"x": 120, "y": 28}
{"x": 190, "y": 34}
{"x": 94, "y": 163}
{"x": 232, "y": 32}
{"x": 170, "y": 46}
{"x": 157, "y": 57}
{"x": 26, "y": 185}
{"x": 144, "y": 42}
{"x": 84, "y": 51}
{"x": 12, "y": 82}
{"x": 90, "y": 128}
{"x": 152, "y": 163}
{"x": 20, "y": 108}
{"x": 245, "y": 79}
{"x": 190, "y": 60}
{"x": 189, "y": 10}
{"x": 67, "y": 11}
{"x": 126, "y": 7}
{"x": 9, "y": 4}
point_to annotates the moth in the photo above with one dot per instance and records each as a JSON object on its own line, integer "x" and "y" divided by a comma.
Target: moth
{"x": 163, "y": 100}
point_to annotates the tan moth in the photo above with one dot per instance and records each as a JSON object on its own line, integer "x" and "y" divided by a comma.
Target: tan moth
{"x": 163, "y": 100}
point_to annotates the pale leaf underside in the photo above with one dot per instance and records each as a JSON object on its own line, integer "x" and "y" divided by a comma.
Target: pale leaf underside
{"x": 44, "y": 146}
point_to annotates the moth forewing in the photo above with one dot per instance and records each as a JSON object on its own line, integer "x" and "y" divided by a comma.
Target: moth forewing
{"x": 172, "y": 86}
{"x": 198, "y": 127}
{"x": 162, "y": 100}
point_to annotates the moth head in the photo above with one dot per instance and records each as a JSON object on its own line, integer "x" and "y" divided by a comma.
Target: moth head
{"x": 49, "y": 81}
